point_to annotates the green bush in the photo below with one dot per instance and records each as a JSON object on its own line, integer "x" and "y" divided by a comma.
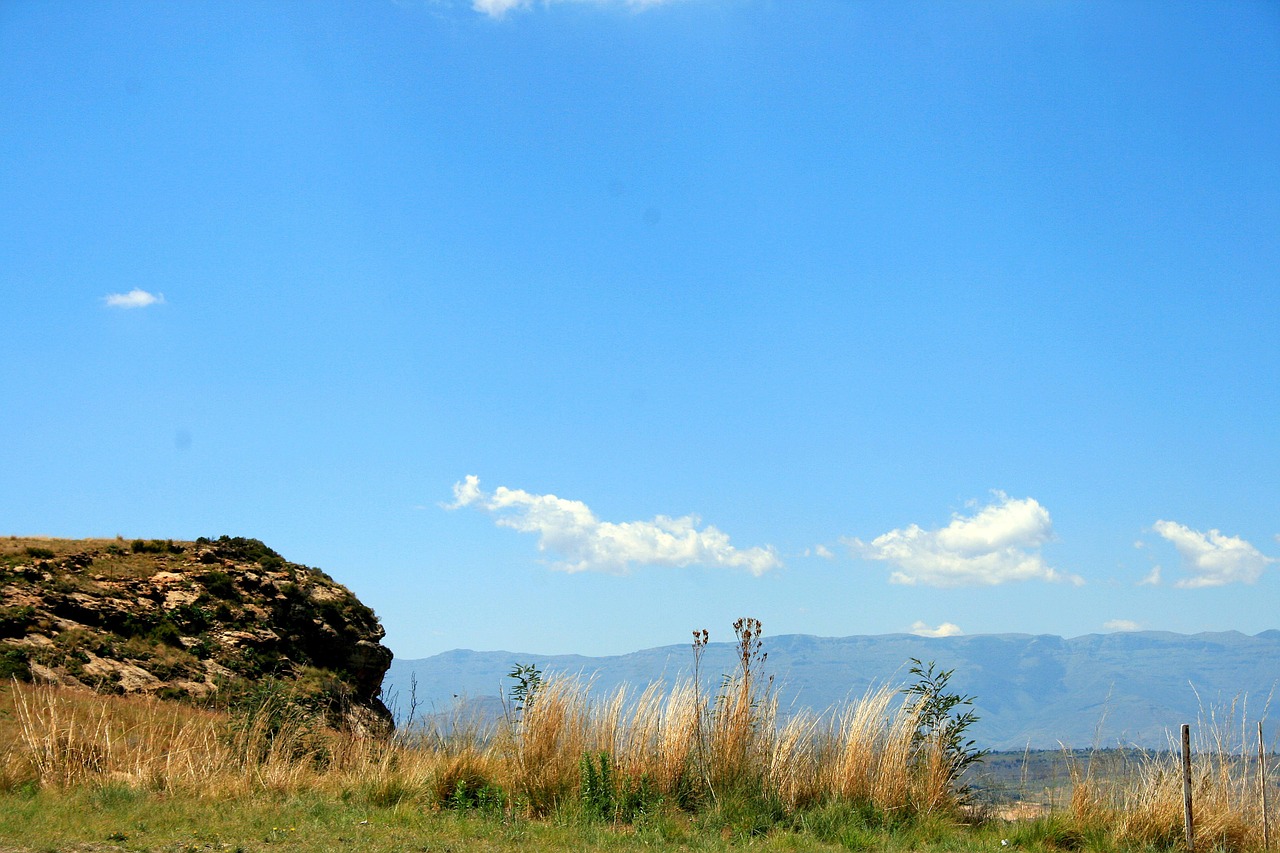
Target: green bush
{"x": 14, "y": 621}
{"x": 241, "y": 550}
{"x": 596, "y": 787}
{"x": 167, "y": 633}
{"x": 220, "y": 585}
{"x": 39, "y": 553}
{"x": 477, "y": 794}
{"x": 15, "y": 663}
{"x": 191, "y": 618}
{"x": 155, "y": 546}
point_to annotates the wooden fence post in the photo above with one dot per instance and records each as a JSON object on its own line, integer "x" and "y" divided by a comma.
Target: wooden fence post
{"x": 1262, "y": 787}
{"x": 1186, "y": 788}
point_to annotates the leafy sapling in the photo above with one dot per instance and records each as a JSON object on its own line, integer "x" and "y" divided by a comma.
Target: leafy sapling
{"x": 943, "y": 718}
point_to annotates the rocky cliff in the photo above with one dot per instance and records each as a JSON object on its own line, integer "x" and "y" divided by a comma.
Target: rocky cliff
{"x": 188, "y": 620}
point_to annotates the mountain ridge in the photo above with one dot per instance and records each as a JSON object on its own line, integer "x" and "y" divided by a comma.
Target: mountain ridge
{"x": 1038, "y": 691}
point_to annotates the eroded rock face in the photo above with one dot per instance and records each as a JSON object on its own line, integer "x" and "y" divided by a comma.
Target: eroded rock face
{"x": 187, "y": 619}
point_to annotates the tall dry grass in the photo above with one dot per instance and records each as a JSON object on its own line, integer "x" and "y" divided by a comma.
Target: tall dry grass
{"x": 1143, "y": 805}
{"x": 680, "y": 744}
{"x": 62, "y": 738}
{"x": 687, "y": 747}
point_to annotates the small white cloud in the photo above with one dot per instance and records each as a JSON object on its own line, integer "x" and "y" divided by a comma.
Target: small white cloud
{"x": 946, "y": 629}
{"x": 499, "y": 8}
{"x": 1121, "y": 625}
{"x": 133, "y": 299}
{"x": 997, "y": 544}
{"x": 819, "y": 551}
{"x": 569, "y": 528}
{"x": 466, "y": 492}
{"x": 1152, "y": 578}
{"x": 1212, "y": 558}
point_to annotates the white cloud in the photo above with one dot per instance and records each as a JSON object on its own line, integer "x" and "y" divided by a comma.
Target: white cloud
{"x": 499, "y": 8}
{"x": 1121, "y": 625}
{"x": 569, "y": 528}
{"x": 1152, "y": 578}
{"x": 1213, "y": 559}
{"x": 946, "y": 629}
{"x": 819, "y": 551}
{"x": 133, "y": 299}
{"x": 999, "y": 543}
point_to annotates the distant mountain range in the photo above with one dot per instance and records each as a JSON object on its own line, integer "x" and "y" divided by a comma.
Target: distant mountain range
{"x": 1038, "y": 692}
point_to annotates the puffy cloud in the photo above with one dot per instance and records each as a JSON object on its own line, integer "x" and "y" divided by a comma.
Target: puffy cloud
{"x": 133, "y": 299}
{"x": 1213, "y": 559}
{"x": 946, "y": 629}
{"x": 1121, "y": 625}
{"x": 569, "y": 528}
{"x": 499, "y": 8}
{"x": 819, "y": 551}
{"x": 999, "y": 543}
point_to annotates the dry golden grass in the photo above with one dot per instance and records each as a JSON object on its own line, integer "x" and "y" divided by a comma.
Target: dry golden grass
{"x": 1144, "y": 806}
{"x": 62, "y": 739}
{"x": 112, "y": 558}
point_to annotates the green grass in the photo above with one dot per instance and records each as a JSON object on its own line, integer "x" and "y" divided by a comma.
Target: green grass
{"x": 120, "y": 818}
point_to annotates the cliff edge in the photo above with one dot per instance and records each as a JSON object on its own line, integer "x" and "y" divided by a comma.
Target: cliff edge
{"x": 188, "y": 620}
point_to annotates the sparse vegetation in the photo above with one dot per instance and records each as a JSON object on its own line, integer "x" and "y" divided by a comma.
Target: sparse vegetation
{"x": 187, "y": 620}
{"x": 258, "y": 763}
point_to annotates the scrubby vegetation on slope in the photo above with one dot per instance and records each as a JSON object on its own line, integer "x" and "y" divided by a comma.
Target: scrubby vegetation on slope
{"x": 187, "y": 620}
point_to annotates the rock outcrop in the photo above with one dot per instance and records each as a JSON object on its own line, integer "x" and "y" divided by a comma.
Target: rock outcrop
{"x": 188, "y": 619}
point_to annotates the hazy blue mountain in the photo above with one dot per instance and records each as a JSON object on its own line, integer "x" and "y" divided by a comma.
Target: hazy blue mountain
{"x": 1038, "y": 691}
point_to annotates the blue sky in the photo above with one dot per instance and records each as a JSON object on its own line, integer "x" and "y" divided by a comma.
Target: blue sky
{"x": 574, "y": 326}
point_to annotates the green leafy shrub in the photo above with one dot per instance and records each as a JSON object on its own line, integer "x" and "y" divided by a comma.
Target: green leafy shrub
{"x": 220, "y": 585}
{"x": 475, "y": 794}
{"x": 39, "y": 553}
{"x": 527, "y": 678}
{"x": 155, "y": 546}
{"x": 191, "y": 618}
{"x": 167, "y": 633}
{"x": 242, "y": 550}
{"x": 944, "y": 717}
{"x": 14, "y": 621}
{"x": 605, "y": 796}
{"x": 596, "y": 787}
{"x": 15, "y": 663}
